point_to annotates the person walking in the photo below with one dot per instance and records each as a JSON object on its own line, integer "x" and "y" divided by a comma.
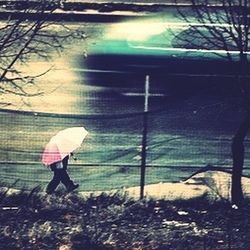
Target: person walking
{"x": 60, "y": 175}
{"x": 56, "y": 155}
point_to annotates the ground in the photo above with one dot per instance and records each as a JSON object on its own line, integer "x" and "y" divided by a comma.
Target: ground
{"x": 67, "y": 221}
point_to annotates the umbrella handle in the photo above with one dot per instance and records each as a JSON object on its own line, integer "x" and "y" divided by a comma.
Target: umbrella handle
{"x": 72, "y": 155}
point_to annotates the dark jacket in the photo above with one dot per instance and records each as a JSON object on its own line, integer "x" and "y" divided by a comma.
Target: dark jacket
{"x": 65, "y": 162}
{"x": 53, "y": 166}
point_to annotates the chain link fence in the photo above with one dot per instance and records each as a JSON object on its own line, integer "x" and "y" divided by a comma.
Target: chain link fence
{"x": 182, "y": 137}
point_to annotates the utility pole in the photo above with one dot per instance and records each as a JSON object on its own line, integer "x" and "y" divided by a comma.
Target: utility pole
{"x": 144, "y": 137}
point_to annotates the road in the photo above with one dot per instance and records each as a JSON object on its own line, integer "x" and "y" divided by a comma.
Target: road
{"x": 184, "y": 134}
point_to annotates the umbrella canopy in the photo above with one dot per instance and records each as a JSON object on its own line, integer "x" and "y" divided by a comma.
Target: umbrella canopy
{"x": 62, "y": 144}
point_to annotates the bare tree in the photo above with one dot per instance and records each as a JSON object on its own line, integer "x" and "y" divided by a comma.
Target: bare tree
{"x": 21, "y": 39}
{"x": 225, "y": 28}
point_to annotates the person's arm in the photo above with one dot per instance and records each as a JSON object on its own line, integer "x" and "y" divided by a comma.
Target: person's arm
{"x": 65, "y": 162}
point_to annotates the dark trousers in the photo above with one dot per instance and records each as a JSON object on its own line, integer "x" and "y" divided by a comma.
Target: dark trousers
{"x": 60, "y": 175}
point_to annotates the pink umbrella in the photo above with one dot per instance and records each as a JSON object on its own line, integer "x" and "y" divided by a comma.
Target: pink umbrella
{"x": 62, "y": 144}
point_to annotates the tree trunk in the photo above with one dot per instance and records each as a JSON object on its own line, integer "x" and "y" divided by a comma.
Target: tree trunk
{"x": 238, "y": 161}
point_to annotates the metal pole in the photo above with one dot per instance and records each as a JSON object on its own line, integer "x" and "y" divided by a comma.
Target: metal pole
{"x": 146, "y": 94}
{"x": 144, "y": 138}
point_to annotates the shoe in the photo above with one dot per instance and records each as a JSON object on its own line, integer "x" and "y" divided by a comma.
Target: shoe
{"x": 72, "y": 187}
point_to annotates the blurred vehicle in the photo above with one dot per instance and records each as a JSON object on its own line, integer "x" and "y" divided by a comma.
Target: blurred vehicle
{"x": 178, "y": 57}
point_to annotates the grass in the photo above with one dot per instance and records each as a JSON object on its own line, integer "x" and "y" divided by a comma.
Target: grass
{"x": 92, "y": 178}
{"x": 177, "y": 137}
{"x": 115, "y": 222}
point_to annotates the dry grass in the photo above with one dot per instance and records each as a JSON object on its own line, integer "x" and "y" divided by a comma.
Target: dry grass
{"x": 66, "y": 221}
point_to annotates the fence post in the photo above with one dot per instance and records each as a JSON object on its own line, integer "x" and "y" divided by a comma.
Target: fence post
{"x": 144, "y": 138}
